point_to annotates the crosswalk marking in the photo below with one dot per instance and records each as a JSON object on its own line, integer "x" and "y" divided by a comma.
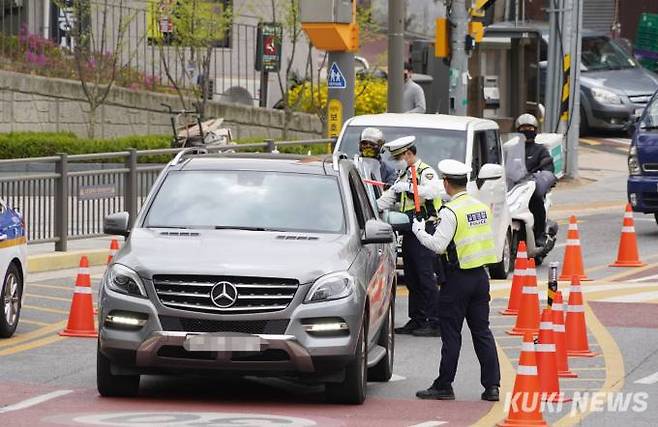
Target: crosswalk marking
{"x": 34, "y": 401}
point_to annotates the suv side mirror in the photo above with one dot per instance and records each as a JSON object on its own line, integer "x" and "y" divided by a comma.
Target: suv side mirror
{"x": 490, "y": 171}
{"x": 117, "y": 224}
{"x": 377, "y": 232}
{"x": 398, "y": 220}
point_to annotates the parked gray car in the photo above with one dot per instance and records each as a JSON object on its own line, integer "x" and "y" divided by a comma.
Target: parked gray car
{"x": 267, "y": 265}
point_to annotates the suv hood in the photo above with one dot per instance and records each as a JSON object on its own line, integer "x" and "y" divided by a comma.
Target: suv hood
{"x": 301, "y": 256}
{"x": 629, "y": 82}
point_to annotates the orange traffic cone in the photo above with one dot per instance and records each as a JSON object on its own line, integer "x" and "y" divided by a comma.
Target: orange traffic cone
{"x": 546, "y": 359}
{"x": 520, "y": 266}
{"x": 573, "y": 256}
{"x": 114, "y": 247}
{"x": 628, "y": 256}
{"x": 561, "y": 358}
{"x": 576, "y": 330}
{"x": 81, "y": 317}
{"x": 528, "y": 319}
{"x": 525, "y": 408}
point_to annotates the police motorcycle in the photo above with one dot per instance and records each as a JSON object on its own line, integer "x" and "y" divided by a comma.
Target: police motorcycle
{"x": 522, "y": 186}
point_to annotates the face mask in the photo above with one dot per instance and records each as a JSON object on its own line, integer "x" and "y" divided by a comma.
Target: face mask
{"x": 529, "y": 134}
{"x": 399, "y": 165}
{"x": 369, "y": 151}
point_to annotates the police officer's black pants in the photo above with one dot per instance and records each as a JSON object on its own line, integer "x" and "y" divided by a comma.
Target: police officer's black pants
{"x": 419, "y": 265}
{"x": 466, "y": 295}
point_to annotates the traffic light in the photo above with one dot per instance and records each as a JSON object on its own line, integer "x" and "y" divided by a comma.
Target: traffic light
{"x": 442, "y": 39}
{"x": 479, "y": 7}
{"x": 331, "y": 24}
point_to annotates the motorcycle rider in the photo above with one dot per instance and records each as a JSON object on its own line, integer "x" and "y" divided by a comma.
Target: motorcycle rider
{"x": 537, "y": 158}
{"x": 370, "y": 147}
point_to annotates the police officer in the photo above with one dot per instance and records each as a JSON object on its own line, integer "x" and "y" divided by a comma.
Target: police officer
{"x": 464, "y": 237}
{"x": 419, "y": 262}
{"x": 370, "y": 147}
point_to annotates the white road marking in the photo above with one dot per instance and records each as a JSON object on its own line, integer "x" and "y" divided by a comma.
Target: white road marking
{"x": 430, "y": 424}
{"x": 644, "y": 279}
{"x": 641, "y": 297}
{"x": 396, "y": 377}
{"x": 651, "y": 379}
{"x": 34, "y": 401}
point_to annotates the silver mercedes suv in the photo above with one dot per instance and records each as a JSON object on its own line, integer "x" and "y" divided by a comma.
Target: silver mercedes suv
{"x": 269, "y": 265}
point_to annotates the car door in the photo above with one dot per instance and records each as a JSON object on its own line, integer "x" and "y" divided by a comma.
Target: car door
{"x": 375, "y": 257}
{"x": 487, "y": 149}
{"x": 5, "y": 251}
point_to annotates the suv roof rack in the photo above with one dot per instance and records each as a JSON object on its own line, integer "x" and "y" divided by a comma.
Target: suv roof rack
{"x": 190, "y": 150}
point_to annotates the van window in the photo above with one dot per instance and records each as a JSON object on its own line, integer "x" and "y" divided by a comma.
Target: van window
{"x": 479, "y": 152}
{"x": 493, "y": 147}
{"x": 650, "y": 119}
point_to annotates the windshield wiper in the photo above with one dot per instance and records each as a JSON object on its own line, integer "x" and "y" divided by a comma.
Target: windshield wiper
{"x": 179, "y": 227}
{"x": 649, "y": 127}
{"x": 231, "y": 227}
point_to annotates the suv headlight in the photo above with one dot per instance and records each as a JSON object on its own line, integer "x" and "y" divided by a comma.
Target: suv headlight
{"x": 633, "y": 162}
{"x": 124, "y": 280}
{"x": 331, "y": 287}
{"x": 604, "y": 96}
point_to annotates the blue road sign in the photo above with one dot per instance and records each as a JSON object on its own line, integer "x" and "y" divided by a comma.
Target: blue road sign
{"x": 336, "y": 79}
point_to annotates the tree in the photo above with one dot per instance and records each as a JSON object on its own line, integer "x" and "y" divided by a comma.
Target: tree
{"x": 97, "y": 52}
{"x": 196, "y": 27}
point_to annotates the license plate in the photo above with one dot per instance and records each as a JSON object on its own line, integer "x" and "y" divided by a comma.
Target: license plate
{"x": 209, "y": 342}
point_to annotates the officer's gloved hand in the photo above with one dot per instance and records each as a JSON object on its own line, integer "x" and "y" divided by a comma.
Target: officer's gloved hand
{"x": 418, "y": 226}
{"x": 401, "y": 187}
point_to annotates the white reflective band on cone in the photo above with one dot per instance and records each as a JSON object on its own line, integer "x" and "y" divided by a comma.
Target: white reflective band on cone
{"x": 576, "y": 309}
{"x": 557, "y": 307}
{"x": 545, "y": 348}
{"x": 84, "y": 270}
{"x": 628, "y": 214}
{"x": 573, "y": 242}
{"x": 82, "y": 290}
{"x": 527, "y": 370}
{"x": 546, "y": 325}
{"x": 529, "y": 289}
{"x": 522, "y": 255}
{"x": 630, "y": 229}
{"x": 576, "y": 288}
{"x": 527, "y": 346}
{"x": 573, "y": 226}
{"x": 558, "y": 328}
{"x": 519, "y": 272}
{"x": 531, "y": 272}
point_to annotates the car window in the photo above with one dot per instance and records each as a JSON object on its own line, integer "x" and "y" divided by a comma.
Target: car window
{"x": 602, "y": 54}
{"x": 433, "y": 145}
{"x": 358, "y": 205}
{"x": 650, "y": 118}
{"x": 493, "y": 147}
{"x": 368, "y": 212}
{"x": 479, "y": 152}
{"x": 260, "y": 200}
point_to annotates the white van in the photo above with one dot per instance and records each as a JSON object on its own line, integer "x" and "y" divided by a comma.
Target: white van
{"x": 473, "y": 141}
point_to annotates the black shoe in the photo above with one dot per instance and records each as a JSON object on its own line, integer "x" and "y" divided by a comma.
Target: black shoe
{"x": 408, "y": 328}
{"x": 427, "y": 331}
{"x": 437, "y": 392}
{"x": 491, "y": 393}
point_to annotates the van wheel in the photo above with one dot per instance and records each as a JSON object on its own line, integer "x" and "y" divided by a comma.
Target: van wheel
{"x": 110, "y": 385}
{"x": 383, "y": 370}
{"x": 352, "y": 390}
{"x": 11, "y": 294}
{"x": 501, "y": 269}
{"x": 655, "y": 216}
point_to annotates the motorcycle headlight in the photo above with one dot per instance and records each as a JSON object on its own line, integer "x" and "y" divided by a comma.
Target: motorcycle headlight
{"x": 331, "y": 287}
{"x": 604, "y": 96}
{"x": 633, "y": 162}
{"x": 124, "y": 280}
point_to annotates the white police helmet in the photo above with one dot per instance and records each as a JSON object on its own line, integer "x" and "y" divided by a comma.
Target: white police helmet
{"x": 372, "y": 135}
{"x": 527, "y": 120}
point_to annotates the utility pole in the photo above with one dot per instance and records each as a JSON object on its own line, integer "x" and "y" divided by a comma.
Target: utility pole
{"x": 459, "y": 19}
{"x": 554, "y": 66}
{"x": 574, "y": 128}
{"x": 396, "y": 16}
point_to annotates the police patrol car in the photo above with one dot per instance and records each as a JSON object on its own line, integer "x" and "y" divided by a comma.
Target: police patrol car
{"x": 473, "y": 141}
{"x": 13, "y": 254}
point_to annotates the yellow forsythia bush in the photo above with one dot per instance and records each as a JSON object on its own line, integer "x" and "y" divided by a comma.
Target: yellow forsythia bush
{"x": 369, "y": 97}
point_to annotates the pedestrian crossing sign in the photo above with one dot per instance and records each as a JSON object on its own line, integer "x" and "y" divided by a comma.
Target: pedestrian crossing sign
{"x": 336, "y": 79}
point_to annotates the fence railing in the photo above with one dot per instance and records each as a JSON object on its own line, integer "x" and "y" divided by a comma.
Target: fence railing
{"x": 66, "y": 197}
{"x": 39, "y": 42}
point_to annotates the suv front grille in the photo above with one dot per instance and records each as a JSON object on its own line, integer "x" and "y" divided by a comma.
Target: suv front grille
{"x": 254, "y": 295}
{"x": 184, "y": 324}
{"x": 640, "y": 99}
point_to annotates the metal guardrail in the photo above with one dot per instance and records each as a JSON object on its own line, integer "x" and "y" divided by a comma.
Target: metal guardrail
{"x": 64, "y": 204}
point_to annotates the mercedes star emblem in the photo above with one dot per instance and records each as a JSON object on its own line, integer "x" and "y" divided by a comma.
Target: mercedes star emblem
{"x": 224, "y": 294}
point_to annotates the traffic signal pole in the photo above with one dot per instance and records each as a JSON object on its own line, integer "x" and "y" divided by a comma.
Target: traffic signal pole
{"x": 459, "y": 63}
{"x": 396, "y": 15}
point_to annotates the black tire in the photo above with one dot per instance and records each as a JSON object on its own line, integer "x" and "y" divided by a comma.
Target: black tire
{"x": 352, "y": 390}
{"x": 501, "y": 269}
{"x": 584, "y": 124}
{"x": 11, "y": 295}
{"x": 655, "y": 216}
{"x": 110, "y": 385}
{"x": 383, "y": 370}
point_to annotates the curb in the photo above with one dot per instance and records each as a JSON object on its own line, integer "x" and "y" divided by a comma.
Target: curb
{"x": 59, "y": 261}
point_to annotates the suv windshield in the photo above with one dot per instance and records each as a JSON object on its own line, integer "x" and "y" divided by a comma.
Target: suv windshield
{"x": 602, "y": 54}
{"x": 433, "y": 145}
{"x": 250, "y": 200}
{"x": 650, "y": 119}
